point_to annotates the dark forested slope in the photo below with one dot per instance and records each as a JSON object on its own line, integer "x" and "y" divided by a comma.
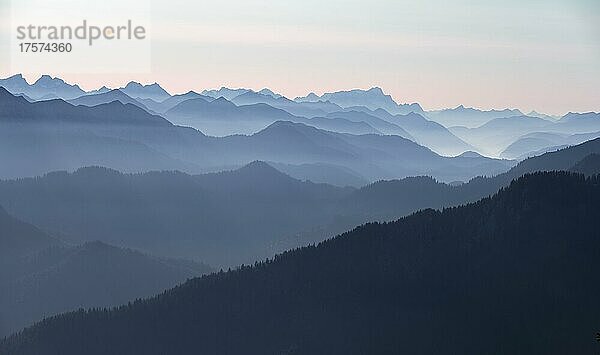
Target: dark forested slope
{"x": 514, "y": 273}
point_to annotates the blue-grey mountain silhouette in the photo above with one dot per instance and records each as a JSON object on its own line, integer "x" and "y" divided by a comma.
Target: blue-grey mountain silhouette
{"x": 45, "y": 87}
{"x": 425, "y": 132}
{"x": 469, "y": 117}
{"x": 225, "y": 93}
{"x": 507, "y": 272}
{"x": 221, "y": 117}
{"x": 304, "y": 109}
{"x": 164, "y": 106}
{"x": 41, "y": 276}
{"x": 373, "y": 99}
{"x": 107, "y": 97}
{"x": 151, "y": 91}
{"x": 495, "y": 135}
{"x": 127, "y": 138}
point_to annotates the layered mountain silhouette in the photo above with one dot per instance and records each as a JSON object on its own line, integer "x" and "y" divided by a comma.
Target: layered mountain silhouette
{"x": 18, "y": 110}
{"x": 226, "y": 93}
{"x": 499, "y": 133}
{"x": 164, "y": 106}
{"x": 52, "y": 135}
{"x": 503, "y": 275}
{"x": 107, "y": 97}
{"x": 372, "y": 99}
{"x": 41, "y": 276}
{"x": 45, "y": 88}
{"x": 217, "y": 218}
{"x": 101, "y": 90}
{"x": 373, "y": 121}
{"x": 109, "y": 196}
{"x": 221, "y": 117}
{"x": 533, "y": 144}
{"x": 522, "y": 136}
{"x": 304, "y": 109}
{"x": 448, "y": 132}
{"x": 423, "y": 131}
{"x": 579, "y": 122}
{"x": 206, "y": 215}
{"x": 42, "y": 136}
{"x": 20, "y": 239}
{"x": 373, "y": 156}
{"x": 534, "y": 113}
{"x": 390, "y": 199}
{"x": 469, "y": 117}
{"x": 322, "y": 173}
{"x": 152, "y": 91}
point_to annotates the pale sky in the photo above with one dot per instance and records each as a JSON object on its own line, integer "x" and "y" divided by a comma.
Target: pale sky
{"x": 538, "y": 54}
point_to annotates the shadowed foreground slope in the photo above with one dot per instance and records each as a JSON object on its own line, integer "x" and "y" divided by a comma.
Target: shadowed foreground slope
{"x": 514, "y": 273}
{"x": 41, "y": 276}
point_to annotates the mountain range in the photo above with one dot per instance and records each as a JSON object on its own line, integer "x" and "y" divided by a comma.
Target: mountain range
{"x": 448, "y": 132}
{"x": 372, "y": 99}
{"x": 107, "y": 97}
{"x": 206, "y": 214}
{"x": 511, "y": 136}
{"x": 39, "y": 137}
{"x": 468, "y": 116}
{"x": 111, "y": 196}
{"x": 41, "y": 275}
{"x": 151, "y": 91}
{"x": 45, "y": 88}
{"x": 507, "y": 274}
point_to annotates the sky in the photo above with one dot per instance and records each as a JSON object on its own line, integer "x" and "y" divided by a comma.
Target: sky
{"x": 537, "y": 54}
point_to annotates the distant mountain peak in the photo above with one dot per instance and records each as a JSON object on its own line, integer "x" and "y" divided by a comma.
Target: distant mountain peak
{"x": 17, "y": 77}
{"x": 281, "y": 126}
{"x": 282, "y": 123}
{"x": 263, "y": 171}
{"x": 46, "y": 81}
{"x": 149, "y": 91}
{"x": 222, "y": 101}
{"x": 470, "y": 154}
{"x": 133, "y": 84}
{"x": 47, "y": 78}
{"x": 225, "y": 92}
{"x": 269, "y": 92}
{"x": 15, "y": 84}
{"x": 376, "y": 90}
{"x": 581, "y": 115}
{"x": 312, "y": 96}
{"x": 257, "y": 165}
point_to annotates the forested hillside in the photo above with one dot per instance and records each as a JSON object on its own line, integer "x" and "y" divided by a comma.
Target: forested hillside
{"x": 510, "y": 274}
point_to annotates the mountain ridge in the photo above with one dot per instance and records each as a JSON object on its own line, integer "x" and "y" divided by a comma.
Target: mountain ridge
{"x": 493, "y": 261}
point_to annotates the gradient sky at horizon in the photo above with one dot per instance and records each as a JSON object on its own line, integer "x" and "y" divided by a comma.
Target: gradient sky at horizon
{"x": 537, "y": 54}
